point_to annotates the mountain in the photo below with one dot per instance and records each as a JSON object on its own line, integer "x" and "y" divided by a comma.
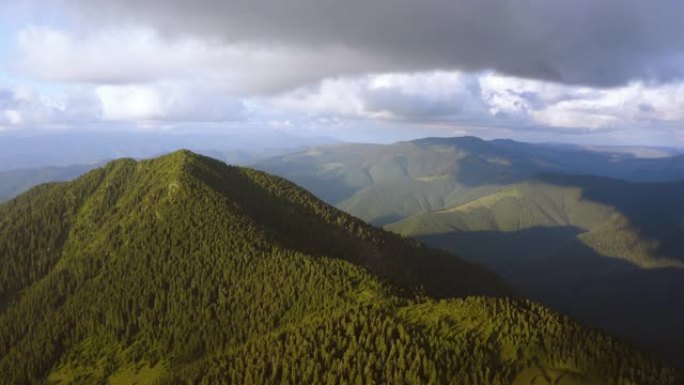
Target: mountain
{"x": 417, "y": 176}
{"x": 606, "y": 251}
{"x": 550, "y": 218}
{"x": 184, "y": 270}
{"x": 14, "y": 182}
{"x": 386, "y": 183}
{"x": 640, "y": 222}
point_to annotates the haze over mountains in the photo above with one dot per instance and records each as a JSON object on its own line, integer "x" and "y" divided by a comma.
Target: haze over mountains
{"x": 184, "y": 270}
{"x": 27, "y": 160}
{"x": 550, "y": 218}
{"x": 60, "y": 149}
{"x": 595, "y": 232}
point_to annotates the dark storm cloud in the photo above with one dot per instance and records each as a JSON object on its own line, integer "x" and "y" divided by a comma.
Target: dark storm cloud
{"x": 595, "y": 42}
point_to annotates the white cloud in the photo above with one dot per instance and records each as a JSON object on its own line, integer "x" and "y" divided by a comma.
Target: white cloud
{"x": 491, "y": 105}
{"x": 13, "y": 117}
{"x": 337, "y": 97}
{"x": 170, "y": 103}
{"x": 176, "y": 101}
{"x": 131, "y": 103}
{"x": 141, "y": 55}
{"x": 429, "y": 95}
{"x": 555, "y": 105}
{"x": 22, "y": 107}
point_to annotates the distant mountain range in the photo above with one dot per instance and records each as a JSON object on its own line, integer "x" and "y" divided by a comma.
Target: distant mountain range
{"x": 577, "y": 228}
{"x": 184, "y": 270}
{"x": 551, "y": 236}
{"x": 639, "y": 222}
{"x": 597, "y": 232}
{"x": 385, "y": 183}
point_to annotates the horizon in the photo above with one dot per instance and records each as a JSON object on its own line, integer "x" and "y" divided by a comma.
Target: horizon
{"x": 35, "y": 151}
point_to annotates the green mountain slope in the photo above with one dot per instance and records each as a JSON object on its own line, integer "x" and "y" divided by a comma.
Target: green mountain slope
{"x": 641, "y": 223}
{"x": 184, "y": 270}
{"x": 608, "y": 252}
{"x": 383, "y": 183}
{"x": 386, "y": 183}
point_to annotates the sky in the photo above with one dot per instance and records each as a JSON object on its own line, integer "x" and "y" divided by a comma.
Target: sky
{"x": 583, "y": 71}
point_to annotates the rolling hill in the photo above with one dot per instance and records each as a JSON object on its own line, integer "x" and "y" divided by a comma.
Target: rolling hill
{"x": 606, "y": 251}
{"x": 638, "y": 222}
{"x": 385, "y": 183}
{"x": 550, "y": 218}
{"x": 184, "y": 270}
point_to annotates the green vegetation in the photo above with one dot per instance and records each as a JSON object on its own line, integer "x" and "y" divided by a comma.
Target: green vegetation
{"x": 635, "y": 222}
{"x": 385, "y": 183}
{"x": 182, "y": 270}
{"x": 550, "y": 237}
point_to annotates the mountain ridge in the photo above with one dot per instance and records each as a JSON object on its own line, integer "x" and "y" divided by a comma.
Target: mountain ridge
{"x": 114, "y": 282}
{"x": 433, "y": 173}
{"x": 567, "y": 262}
{"x": 609, "y": 211}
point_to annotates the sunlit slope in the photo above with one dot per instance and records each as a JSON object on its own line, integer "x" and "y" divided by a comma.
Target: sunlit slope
{"x": 465, "y": 341}
{"x": 183, "y": 270}
{"x": 641, "y": 223}
{"x": 386, "y": 183}
{"x": 382, "y": 183}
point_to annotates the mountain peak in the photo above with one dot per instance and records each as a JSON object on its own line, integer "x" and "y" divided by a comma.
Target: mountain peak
{"x": 274, "y": 209}
{"x": 177, "y": 158}
{"x": 119, "y": 276}
{"x": 181, "y": 155}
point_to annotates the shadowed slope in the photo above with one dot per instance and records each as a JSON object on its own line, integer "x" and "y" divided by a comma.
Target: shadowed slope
{"x": 551, "y": 236}
{"x": 641, "y": 223}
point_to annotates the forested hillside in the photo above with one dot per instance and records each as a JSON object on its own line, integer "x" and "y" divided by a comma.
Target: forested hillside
{"x": 385, "y": 183}
{"x": 182, "y": 270}
{"x": 606, "y": 251}
{"x": 638, "y": 222}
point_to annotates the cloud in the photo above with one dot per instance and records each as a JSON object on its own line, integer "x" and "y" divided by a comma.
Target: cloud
{"x": 554, "y": 105}
{"x": 606, "y": 43}
{"x": 130, "y": 103}
{"x": 168, "y": 102}
{"x": 394, "y": 96}
{"x": 431, "y": 95}
{"x": 488, "y": 99}
{"x": 22, "y": 106}
{"x": 514, "y": 68}
{"x": 124, "y": 56}
{"x": 136, "y": 55}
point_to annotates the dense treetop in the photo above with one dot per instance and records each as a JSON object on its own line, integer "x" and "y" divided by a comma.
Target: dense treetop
{"x": 182, "y": 270}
